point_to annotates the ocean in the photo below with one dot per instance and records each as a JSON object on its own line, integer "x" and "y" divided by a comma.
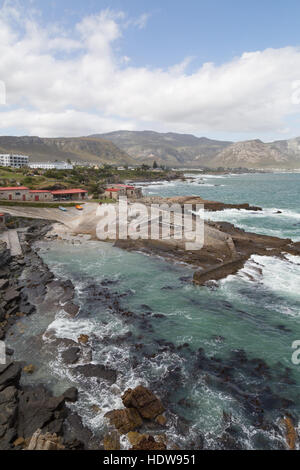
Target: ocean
{"x": 220, "y": 356}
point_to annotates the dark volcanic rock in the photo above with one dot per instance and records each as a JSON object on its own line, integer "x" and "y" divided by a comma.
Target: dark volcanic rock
{"x": 10, "y": 375}
{"x": 97, "y": 370}
{"x": 71, "y": 308}
{"x": 74, "y": 430}
{"x": 71, "y": 355}
{"x": 11, "y": 294}
{"x": 3, "y": 283}
{"x": 71, "y": 394}
{"x": 8, "y": 415}
{"x": 39, "y": 410}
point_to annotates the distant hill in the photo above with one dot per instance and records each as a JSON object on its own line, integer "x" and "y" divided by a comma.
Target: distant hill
{"x": 94, "y": 150}
{"x": 169, "y": 149}
{"x": 290, "y": 148}
{"x": 253, "y": 154}
{"x": 186, "y": 150}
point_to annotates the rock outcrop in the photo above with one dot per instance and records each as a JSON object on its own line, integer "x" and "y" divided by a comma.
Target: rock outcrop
{"x": 125, "y": 420}
{"x": 143, "y": 408}
{"x": 46, "y": 441}
{"x": 290, "y": 432}
{"x": 218, "y": 272}
{"x": 141, "y": 398}
{"x": 26, "y": 409}
{"x": 4, "y": 254}
{"x": 149, "y": 443}
{"x": 112, "y": 441}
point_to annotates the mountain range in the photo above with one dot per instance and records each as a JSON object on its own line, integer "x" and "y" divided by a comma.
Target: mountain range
{"x": 185, "y": 150}
{"x": 171, "y": 149}
{"x": 77, "y": 149}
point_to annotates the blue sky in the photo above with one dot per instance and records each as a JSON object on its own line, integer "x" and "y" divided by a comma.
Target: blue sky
{"x": 222, "y": 68}
{"x": 214, "y": 30}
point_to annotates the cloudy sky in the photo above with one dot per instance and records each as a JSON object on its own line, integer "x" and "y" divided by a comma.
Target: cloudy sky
{"x": 225, "y": 69}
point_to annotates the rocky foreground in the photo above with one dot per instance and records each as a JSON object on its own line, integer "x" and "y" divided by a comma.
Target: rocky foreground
{"x": 30, "y": 416}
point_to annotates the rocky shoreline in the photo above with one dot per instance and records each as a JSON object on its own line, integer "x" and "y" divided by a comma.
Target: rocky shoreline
{"x": 28, "y": 281}
{"x": 25, "y": 409}
{"x": 30, "y": 416}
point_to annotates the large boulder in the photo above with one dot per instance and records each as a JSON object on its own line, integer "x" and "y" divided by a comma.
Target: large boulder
{"x": 10, "y": 374}
{"x": 71, "y": 308}
{"x": 97, "y": 370}
{"x": 71, "y": 394}
{"x": 11, "y": 294}
{"x": 8, "y": 416}
{"x": 141, "y": 398}
{"x": 46, "y": 441}
{"x": 125, "y": 420}
{"x": 39, "y": 410}
{"x": 71, "y": 355}
{"x": 5, "y": 256}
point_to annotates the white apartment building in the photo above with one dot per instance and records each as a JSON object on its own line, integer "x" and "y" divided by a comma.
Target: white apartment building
{"x": 15, "y": 161}
{"x": 51, "y": 165}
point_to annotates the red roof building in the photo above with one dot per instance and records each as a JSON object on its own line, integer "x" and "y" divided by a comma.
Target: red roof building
{"x": 69, "y": 194}
{"x": 69, "y": 191}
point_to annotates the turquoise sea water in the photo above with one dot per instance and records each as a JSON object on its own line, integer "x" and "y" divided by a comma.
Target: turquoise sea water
{"x": 271, "y": 191}
{"x": 219, "y": 356}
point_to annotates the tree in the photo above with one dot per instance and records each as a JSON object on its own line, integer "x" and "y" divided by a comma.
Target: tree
{"x": 155, "y": 165}
{"x": 145, "y": 167}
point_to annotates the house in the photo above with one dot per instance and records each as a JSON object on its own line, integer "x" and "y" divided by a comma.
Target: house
{"x": 51, "y": 166}
{"x": 40, "y": 195}
{"x": 14, "y": 193}
{"x": 15, "y": 161}
{"x": 114, "y": 193}
{"x": 21, "y": 193}
{"x": 69, "y": 194}
{"x": 123, "y": 190}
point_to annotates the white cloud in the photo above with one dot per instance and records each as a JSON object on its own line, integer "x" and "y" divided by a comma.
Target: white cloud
{"x": 142, "y": 20}
{"x": 74, "y": 83}
{"x": 67, "y": 123}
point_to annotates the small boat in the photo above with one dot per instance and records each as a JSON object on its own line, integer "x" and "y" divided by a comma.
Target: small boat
{"x": 61, "y": 208}
{"x": 79, "y": 208}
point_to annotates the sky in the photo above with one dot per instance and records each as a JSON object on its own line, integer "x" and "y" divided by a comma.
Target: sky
{"x": 224, "y": 69}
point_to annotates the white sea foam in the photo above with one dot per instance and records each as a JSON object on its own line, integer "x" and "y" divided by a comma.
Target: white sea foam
{"x": 241, "y": 218}
{"x": 236, "y": 214}
{"x": 279, "y": 276}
